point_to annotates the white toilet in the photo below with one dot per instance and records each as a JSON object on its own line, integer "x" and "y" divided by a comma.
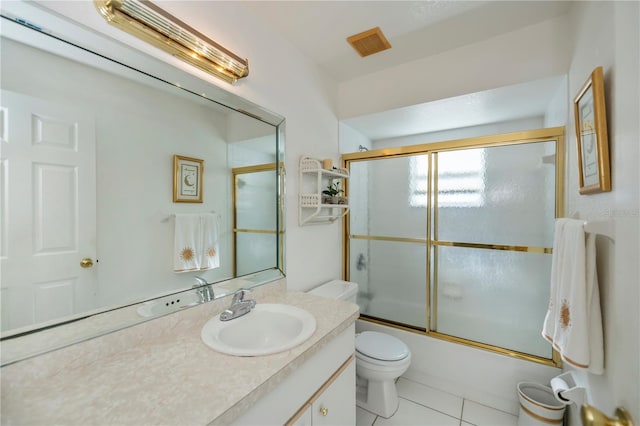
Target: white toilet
{"x": 380, "y": 358}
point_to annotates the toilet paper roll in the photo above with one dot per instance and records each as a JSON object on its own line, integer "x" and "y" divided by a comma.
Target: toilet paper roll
{"x": 558, "y": 386}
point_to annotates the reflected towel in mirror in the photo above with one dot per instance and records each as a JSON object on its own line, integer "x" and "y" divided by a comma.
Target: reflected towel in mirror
{"x": 196, "y": 245}
{"x": 187, "y": 252}
{"x": 211, "y": 247}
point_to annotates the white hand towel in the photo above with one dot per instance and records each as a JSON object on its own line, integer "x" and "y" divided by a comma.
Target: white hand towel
{"x": 573, "y": 323}
{"x": 187, "y": 251}
{"x": 210, "y": 246}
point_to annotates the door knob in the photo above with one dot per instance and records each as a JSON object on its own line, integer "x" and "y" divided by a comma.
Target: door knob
{"x": 324, "y": 411}
{"x": 86, "y": 262}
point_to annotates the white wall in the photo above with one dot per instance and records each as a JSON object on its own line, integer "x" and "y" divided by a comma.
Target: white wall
{"x": 530, "y": 123}
{"x": 607, "y": 35}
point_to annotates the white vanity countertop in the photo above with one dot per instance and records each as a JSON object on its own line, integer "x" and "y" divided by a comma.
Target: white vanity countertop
{"x": 171, "y": 379}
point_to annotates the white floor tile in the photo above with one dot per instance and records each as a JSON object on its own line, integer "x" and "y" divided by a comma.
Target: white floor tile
{"x": 430, "y": 397}
{"x": 364, "y": 418}
{"x": 482, "y": 415}
{"x": 410, "y": 414}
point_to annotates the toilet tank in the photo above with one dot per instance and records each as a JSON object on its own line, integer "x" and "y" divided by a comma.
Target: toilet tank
{"x": 337, "y": 289}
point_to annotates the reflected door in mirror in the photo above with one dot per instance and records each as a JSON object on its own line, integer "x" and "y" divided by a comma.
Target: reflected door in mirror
{"x": 48, "y": 210}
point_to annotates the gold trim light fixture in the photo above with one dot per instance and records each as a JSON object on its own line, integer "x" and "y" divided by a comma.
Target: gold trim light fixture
{"x": 154, "y": 25}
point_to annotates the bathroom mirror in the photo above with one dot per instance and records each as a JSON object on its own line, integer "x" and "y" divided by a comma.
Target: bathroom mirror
{"x": 88, "y": 211}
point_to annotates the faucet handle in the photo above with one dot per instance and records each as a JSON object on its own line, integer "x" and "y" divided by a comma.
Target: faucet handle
{"x": 238, "y": 296}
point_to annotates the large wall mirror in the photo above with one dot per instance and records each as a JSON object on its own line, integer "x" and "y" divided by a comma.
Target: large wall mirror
{"x": 88, "y": 212}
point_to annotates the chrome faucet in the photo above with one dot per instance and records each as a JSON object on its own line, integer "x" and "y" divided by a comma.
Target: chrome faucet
{"x": 203, "y": 290}
{"x": 239, "y": 306}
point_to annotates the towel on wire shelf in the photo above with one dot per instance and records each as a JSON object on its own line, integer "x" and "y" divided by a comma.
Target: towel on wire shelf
{"x": 196, "y": 244}
{"x": 573, "y": 323}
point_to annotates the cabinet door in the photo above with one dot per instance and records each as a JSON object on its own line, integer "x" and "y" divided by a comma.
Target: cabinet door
{"x": 304, "y": 418}
{"x": 337, "y": 404}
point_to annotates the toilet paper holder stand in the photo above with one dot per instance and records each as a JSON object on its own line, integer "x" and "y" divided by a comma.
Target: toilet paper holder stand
{"x": 574, "y": 394}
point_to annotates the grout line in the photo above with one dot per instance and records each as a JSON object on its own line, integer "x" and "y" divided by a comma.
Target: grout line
{"x": 427, "y": 407}
{"x": 462, "y": 410}
{"x": 375, "y": 420}
{"x": 493, "y": 408}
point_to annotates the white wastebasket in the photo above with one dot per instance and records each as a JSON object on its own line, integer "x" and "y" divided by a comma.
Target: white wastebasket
{"x": 538, "y": 406}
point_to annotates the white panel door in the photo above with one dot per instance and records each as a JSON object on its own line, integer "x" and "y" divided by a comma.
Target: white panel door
{"x": 48, "y": 208}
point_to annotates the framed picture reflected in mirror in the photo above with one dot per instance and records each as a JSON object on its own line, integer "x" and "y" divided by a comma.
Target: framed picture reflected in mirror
{"x": 187, "y": 179}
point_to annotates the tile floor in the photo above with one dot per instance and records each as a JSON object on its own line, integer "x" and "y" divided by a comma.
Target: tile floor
{"x": 425, "y": 406}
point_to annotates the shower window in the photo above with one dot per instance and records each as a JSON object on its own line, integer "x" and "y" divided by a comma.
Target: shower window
{"x": 460, "y": 183}
{"x": 454, "y": 239}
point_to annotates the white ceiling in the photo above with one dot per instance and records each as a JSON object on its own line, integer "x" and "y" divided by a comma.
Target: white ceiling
{"x": 415, "y": 29}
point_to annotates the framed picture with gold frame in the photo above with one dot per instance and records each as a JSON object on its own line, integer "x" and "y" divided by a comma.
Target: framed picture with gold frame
{"x": 187, "y": 179}
{"x": 591, "y": 133}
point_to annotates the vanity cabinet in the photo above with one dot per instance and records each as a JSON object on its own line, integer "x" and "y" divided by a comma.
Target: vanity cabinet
{"x": 321, "y": 391}
{"x": 313, "y": 179}
{"x": 333, "y": 403}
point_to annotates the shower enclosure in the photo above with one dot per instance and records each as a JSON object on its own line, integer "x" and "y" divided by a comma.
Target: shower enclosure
{"x": 254, "y": 230}
{"x": 454, "y": 239}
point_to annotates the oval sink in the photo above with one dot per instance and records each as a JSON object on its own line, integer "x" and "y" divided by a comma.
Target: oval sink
{"x": 267, "y": 329}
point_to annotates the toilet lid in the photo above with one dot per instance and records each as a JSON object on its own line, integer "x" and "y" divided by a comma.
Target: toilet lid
{"x": 381, "y": 346}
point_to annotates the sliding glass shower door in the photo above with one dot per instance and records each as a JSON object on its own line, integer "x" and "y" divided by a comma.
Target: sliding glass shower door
{"x": 454, "y": 239}
{"x": 493, "y": 212}
{"x": 388, "y": 239}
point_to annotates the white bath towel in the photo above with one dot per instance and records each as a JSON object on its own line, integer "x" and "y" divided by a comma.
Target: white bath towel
{"x": 210, "y": 246}
{"x": 573, "y": 323}
{"x": 187, "y": 251}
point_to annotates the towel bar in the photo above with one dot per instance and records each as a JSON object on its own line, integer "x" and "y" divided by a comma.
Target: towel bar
{"x": 600, "y": 227}
{"x": 171, "y": 216}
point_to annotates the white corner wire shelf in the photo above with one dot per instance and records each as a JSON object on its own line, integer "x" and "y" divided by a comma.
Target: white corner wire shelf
{"x": 312, "y": 180}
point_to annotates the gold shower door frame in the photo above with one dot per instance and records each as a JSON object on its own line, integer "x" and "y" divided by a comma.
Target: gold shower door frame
{"x": 554, "y": 134}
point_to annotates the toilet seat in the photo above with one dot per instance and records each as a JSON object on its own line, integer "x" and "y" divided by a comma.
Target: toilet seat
{"x": 381, "y": 347}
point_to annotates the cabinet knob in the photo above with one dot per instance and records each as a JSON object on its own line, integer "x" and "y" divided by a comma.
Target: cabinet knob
{"x": 324, "y": 411}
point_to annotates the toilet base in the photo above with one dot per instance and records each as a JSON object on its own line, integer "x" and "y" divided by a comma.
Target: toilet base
{"x": 380, "y": 397}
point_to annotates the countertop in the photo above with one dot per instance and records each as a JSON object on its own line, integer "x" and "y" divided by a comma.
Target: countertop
{"x": 170, "y": 378}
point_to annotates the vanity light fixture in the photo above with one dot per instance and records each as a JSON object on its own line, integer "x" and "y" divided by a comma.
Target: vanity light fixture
{"x": 154, "y": 25}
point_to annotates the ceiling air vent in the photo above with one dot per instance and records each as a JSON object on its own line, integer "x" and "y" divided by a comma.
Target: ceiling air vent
{"x": 369, "y": 42}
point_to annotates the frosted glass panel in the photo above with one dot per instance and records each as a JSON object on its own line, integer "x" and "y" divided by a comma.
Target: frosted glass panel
{"x": 255, "y": 192}
{"x": 380, "y": 195}
{"x": 359, "y": 197}
{"x": 359, "y": 270}
{"x": 492, "y": 296}
{"x": 509, "y": 190}
{"x": 397, "y": 289}
{"x": 255, "y": 252}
